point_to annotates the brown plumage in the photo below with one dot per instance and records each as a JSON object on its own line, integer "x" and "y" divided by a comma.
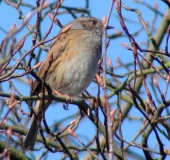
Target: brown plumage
{"x": 70, "y": 65}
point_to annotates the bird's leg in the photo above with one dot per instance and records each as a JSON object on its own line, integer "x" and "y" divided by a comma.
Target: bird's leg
{"x": 67, "y": 97}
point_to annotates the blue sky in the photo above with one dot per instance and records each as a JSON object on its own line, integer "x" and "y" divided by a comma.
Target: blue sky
{"x": 9, "y": 16}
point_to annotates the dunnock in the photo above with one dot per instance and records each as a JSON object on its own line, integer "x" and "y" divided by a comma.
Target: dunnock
{"x": 70, "y": 65}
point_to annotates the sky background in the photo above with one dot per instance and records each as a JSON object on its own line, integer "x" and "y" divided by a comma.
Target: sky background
{"x": 98, "y": 8}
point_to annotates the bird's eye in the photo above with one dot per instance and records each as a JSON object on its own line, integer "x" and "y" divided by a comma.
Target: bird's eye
{"x": 89, "y": 24}
{"x": 93, "y": 22}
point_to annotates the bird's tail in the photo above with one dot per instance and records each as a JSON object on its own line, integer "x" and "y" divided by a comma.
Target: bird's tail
{"x": 31, "y": 135}
{"x": 32, "y": 132}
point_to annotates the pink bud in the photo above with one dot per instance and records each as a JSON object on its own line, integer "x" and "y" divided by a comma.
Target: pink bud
{"x": 99, "y": 80}
{"x": 71, "y": 132}
{"x": 31, "y": 83}
{"x": 12, "y": 101}
{"x": 156, "y": 6}
{"x": 9, "y": 132}
{"x": 167, "y": 79}
{"x": 37, "y": 65}
{"x": 51, "y": 16}
{"x": 12, "y": 27}
{"x": 72, "y": 121}
{"x": 21, "y": 43}
{"x": 104, "y": 21}
{"x": 155, "y": 83}
{"x": 45, "y": 5}
{"x": 66, "y": 28}
{"x": 148, "y": 93}
{"x": 120, "y": 114}
{"x": 112, "y": 116}
{"x": 110, "y": 63}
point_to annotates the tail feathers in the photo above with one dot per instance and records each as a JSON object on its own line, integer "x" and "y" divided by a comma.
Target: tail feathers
{"x": 31, "y": 135}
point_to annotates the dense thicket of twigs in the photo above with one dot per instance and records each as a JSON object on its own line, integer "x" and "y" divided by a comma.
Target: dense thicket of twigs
{"x": 141, "y": 85}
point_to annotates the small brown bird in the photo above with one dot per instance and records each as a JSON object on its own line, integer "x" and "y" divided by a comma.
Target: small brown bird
{"x": 75, "y": 55}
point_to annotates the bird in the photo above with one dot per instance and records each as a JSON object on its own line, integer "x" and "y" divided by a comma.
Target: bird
{"x": 69, "y": 67}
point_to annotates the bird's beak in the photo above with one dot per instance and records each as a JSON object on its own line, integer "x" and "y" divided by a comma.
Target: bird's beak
{"x": 109, "y": 27}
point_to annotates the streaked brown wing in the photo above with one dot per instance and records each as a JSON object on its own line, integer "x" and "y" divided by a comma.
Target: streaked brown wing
{"x": 58, "y": 46}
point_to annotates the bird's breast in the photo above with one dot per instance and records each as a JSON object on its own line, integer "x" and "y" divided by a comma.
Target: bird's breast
{"x": 77, "y": 65}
